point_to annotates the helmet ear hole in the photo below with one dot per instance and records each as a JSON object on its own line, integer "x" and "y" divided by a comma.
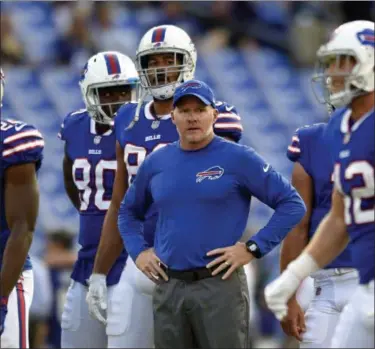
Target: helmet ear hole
{"x": 144, "y": 62}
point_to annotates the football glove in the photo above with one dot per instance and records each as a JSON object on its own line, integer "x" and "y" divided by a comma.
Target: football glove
{"x": 97, "y": 297}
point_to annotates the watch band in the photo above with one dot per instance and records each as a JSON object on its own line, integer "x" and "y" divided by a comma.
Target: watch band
{"x": 253, "y": 249}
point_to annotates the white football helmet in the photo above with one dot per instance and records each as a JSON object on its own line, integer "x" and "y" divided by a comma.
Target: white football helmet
{"x": 2, "y": 85}
{"x": 107, "y": 69}
{"x": 165, "y": 39}
{"x": 350, "y": 40}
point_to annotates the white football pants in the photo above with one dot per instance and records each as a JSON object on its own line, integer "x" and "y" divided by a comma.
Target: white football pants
{"x": 78, "y": 328}
{"x": 130, "y": 322}
{"x": 355, "y": 328}
{"x": 305, "y": 293}
{"x": 16, "y": 331}
{"x": 129, "y": 316}
{"x": 333, "y": 289}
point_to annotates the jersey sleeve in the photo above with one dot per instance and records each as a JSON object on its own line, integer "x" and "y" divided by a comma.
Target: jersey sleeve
{"x": 22, "y": 144}
{"x": 228, "y": 123}
{"x": 66, "y": 126}
{"x": 298, "y": 150}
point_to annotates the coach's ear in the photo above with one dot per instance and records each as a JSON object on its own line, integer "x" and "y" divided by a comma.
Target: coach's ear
{"x": 172, "y": 116}
{"x": 216, "y": 114}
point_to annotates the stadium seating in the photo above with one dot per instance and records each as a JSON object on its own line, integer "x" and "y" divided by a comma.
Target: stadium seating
{"x": 272, "y": 97}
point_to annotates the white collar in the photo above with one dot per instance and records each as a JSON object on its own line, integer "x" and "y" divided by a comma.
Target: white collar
{"x": 149, "y": 115}
{"x": 346, "y": 118}
{"x": 93, "y": 129}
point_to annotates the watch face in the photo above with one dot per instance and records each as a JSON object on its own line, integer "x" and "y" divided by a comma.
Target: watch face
{"x": 252, "y": 247}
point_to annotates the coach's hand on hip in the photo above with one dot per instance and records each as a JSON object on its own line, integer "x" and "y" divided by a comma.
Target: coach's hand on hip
{"x": 149, "y": 263}
{"x": 231, "y": 257}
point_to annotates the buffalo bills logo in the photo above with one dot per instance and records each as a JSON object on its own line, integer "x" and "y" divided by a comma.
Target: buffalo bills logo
{"x": 189, "y": 85}
{"x": 83, "y": 72}
{"x": 212, "y": 173}
{"x": 366, "y": 37}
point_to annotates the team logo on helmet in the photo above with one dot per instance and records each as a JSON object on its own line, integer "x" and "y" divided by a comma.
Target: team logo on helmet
{"x": 83, "y": 72}
{"x": 366, "y": 37}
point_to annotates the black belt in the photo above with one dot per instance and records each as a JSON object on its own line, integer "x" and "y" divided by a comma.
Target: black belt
{"x": 191, "y": 274}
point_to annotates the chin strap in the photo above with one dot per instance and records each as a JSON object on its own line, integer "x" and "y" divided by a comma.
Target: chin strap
{"x": 137, "y": 111}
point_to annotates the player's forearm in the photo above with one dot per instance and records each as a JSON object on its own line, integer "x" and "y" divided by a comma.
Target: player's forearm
{"x": 130, "y": 227}
{"x": 73, "y": 193}
{"x": 111, "y": 244}
{"x": 293, "y": 245}
{"x": 329, "y": 241}
{"x": 14, "y": 257}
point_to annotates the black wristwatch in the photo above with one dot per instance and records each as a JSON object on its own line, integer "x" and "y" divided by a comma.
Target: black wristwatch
{"x": 253, "y": 248}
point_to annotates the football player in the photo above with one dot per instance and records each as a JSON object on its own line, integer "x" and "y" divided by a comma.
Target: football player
{"x": 108, "y": 80}
{"x": 21, "y": 149}
{"x": 312, "y": 177}
{"x": 165, "y": 58}
{"x": 347, "y": 62}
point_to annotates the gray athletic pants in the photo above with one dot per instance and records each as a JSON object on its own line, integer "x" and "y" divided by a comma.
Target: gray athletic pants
{"x": 208, "y": 313}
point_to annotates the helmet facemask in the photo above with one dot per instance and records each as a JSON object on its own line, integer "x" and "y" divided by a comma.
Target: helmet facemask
{"x": 338, "y": 78}
{"x": 161, "y": 81}
{"x": 103, "y": 108}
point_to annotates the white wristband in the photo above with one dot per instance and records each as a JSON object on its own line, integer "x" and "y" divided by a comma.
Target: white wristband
{"x": 97, "y": 277}
{"x": 303, "y": 266}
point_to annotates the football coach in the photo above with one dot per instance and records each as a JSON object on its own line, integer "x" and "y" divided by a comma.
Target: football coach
{"x": 201, "y": 187}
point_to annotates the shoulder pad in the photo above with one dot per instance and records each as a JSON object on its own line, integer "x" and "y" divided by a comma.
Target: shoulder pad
{"x": 70, "y": 120}
{"x": 228, "y": 123}
{"x": 21, "y": 143}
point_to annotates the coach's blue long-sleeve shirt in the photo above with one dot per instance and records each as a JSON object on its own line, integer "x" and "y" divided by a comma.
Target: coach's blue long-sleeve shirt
{"x": 203, "y": 200}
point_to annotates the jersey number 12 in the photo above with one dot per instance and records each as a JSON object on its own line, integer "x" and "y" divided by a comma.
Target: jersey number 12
{"x": 354, "y": 211}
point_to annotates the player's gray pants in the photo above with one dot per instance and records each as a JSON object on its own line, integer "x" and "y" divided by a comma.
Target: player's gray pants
{"x": 333, "y": 289}
{"x": 209, "y": 313}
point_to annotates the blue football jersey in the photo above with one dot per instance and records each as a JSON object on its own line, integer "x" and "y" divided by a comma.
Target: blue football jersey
{"x": 94, "y": 167}
{"x": 20, "y": 143}
{"x": 353, "y": 145}
{"x": 147, "y": 135}
{"x": 150, "y": 134}
{"x": 309, "y": 147}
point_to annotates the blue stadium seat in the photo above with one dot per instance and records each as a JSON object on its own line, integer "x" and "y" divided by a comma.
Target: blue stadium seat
{"x": 272, "y": 97}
